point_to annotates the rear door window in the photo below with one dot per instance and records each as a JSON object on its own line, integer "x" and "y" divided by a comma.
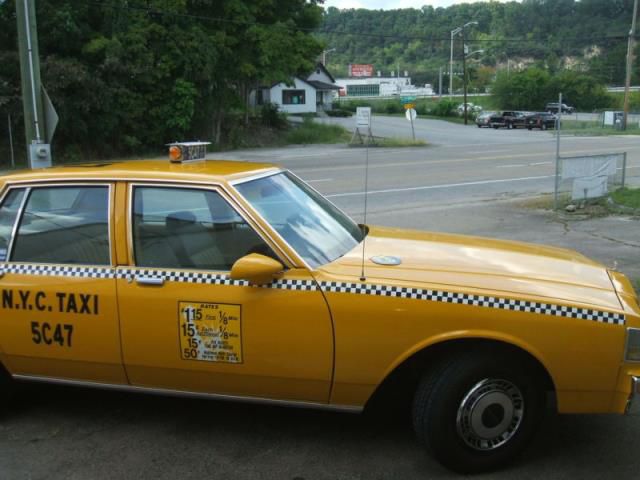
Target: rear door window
{"x": 65, "y": 225}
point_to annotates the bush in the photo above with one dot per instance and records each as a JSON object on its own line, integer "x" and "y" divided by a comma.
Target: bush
{"x": 339, "y": 112}
{"x": 270, "y": 116}
{"x": 445, "y": 108}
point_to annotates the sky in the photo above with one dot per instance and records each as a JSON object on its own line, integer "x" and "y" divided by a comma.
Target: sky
{"x": 393, "y": 4}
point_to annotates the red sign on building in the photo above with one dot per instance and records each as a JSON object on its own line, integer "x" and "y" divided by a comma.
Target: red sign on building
{"x": 360, "y": 70}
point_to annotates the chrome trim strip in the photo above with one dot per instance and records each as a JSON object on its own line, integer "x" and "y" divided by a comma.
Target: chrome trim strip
{"x": 66, "y": 184}
{"x": 257, "y": 176}
{"x": 154, "y": 281}
{"x": 228, "y": 197}
{"x": 187, "y": 394}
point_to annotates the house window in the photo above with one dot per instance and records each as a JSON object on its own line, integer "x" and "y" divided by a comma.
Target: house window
{"x": 293, "y": 97}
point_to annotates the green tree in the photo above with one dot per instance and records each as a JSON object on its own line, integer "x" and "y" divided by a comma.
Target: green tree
{"x": 526, "y": 90}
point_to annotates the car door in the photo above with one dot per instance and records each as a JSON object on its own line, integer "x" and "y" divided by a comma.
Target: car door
{"x": 59, "y": 316}
{"x": 186, "y": 325}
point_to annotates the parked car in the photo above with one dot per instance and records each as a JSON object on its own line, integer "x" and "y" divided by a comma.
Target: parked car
{"x": 541, "y": 120}
{"x": 552, "y": 107}
{"x": 508, "y": 119}
{"x": 471, "y": 109}
{"x": 238, "y": 281}
{"x": 484, "y": 119}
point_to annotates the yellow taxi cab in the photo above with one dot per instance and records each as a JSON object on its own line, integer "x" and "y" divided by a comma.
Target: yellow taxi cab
{"x": 238, "y": 281}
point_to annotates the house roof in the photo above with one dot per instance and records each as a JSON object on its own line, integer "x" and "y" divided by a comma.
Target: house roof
{"x": 318, "y": 85}
{"x": 324, "y": 69}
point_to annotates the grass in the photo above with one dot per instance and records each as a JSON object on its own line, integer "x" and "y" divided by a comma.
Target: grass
{"x": 625, "y": 201}
{"x": 309, "y": 132}
{"x": 579, "y": 128}
{"x": 627, "y": 197}
{"x": 395, "y": 142}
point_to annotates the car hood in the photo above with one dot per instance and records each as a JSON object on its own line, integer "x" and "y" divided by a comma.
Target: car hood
{"x": 480, "y": 264}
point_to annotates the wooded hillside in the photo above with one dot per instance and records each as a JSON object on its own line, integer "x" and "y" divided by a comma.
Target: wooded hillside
{"x": 589, "y": 35}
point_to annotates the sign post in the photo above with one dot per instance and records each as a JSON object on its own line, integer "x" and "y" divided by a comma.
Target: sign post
{"x": 363, "y": 120}
{"x": 410, "y": 112}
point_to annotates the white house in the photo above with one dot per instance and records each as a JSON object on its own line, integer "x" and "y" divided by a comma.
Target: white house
{"x": 302, "y": 95}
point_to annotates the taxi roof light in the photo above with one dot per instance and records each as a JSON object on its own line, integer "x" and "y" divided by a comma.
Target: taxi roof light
{"x": 187, "y": 151}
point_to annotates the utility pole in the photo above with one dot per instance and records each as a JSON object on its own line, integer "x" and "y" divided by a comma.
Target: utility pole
{"x": 38, "y": 151}
{"x": 464, "y": 77}
{"x": 630, "y": 56}
{"x": 440, "y": 83}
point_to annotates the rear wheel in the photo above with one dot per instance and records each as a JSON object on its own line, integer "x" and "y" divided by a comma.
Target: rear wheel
{"x": 477, "y": 412}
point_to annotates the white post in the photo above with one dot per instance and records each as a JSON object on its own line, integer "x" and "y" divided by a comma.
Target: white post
{"x": 557, "y": 180}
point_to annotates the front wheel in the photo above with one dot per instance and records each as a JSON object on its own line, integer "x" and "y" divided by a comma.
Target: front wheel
{"x": 477, "y": 412}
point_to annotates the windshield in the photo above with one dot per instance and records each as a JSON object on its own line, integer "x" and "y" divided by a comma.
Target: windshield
{"x": 313, "y": 227}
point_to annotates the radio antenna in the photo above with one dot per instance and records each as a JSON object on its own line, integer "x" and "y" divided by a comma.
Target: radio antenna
{"x": 366, "y": 188}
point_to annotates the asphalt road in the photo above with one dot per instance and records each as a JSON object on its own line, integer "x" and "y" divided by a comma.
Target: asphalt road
{"x": 469, "y": 181}
{"x": 462, "y": 165}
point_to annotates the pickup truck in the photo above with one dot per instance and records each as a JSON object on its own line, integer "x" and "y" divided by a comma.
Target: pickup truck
{"x": 508, "y": 119}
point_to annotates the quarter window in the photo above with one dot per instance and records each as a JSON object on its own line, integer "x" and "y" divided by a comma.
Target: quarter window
{"x": 190, "y": 228}
{"x": 8, "y": 214}
{"x": 67, "y": 225}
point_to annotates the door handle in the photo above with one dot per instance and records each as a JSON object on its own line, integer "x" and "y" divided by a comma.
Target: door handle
{"x": 157, "y": 281}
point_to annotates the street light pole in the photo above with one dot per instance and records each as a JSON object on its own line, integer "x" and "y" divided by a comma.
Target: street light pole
{"x": 464, "y": 77}
{"x": 324, "y": 56}
{"x": 454, "y": 32}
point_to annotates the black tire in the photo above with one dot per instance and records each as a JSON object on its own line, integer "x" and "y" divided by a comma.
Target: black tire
{"x": 446, "y": 411}
{"x": 529, "y": 128}
{"x": 479, "y": 126}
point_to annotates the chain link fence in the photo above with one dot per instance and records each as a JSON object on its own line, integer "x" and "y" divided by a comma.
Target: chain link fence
{"x": 590, "y": 176}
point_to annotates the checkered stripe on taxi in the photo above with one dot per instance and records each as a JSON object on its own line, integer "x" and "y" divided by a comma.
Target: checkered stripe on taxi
{"x": 130, "y": 273}
{"x": 58, "y": 270}
{"x": 476, "y": 300}
{"x": 333, "y": 287}
{"x": 213, "y": 279}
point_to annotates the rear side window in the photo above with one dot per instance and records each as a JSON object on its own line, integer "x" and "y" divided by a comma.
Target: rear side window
{"x": 67, "y": 225}
{"x": 8, "y": 214}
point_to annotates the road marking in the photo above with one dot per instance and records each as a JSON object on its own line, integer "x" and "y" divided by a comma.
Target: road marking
{"x": 514, "y": 165}
{"x": 460, "y": 160}
{"x": 435, "y": 187}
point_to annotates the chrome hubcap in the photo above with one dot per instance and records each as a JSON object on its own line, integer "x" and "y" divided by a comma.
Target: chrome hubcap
{"x": 490, "y": 414}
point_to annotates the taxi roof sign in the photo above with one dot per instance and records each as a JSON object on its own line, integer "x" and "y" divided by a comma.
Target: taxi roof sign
{"x": 187, "y": 151}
